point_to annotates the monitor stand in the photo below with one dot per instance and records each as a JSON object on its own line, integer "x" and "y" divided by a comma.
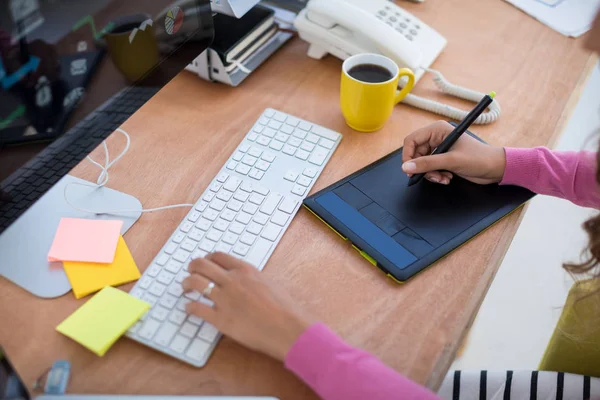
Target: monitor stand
{"x": 25, "y": 244}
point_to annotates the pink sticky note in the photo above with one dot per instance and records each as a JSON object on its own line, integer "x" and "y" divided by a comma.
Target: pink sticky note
{"x": 85, "y": 240}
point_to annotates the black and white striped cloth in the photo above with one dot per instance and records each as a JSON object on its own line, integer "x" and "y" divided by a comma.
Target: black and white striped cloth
{"x": 518, "y": 385}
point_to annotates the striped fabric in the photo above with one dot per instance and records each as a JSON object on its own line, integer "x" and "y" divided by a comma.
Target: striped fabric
{"x": 518, "y": 385}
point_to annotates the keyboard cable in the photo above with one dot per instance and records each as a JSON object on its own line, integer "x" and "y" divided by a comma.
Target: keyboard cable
{"x": 103, "y": 180}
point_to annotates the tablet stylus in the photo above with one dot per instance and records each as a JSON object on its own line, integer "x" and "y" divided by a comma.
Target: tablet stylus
{"x": 458, "y": 131}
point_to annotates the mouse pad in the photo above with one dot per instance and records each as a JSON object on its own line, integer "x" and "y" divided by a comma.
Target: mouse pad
{"x": 404, "y": 229}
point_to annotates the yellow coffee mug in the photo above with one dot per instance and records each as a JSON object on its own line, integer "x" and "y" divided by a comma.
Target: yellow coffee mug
{"x": 367, "y": 106}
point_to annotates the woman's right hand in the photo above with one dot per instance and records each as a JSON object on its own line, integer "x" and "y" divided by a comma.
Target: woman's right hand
{"x": 468, "y": 158}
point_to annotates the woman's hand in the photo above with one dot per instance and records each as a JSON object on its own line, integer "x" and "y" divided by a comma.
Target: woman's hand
{"x": 247, "y": 307}
{"x": 468, "y": 158}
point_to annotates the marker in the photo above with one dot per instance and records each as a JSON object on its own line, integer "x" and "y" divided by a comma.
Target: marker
{"x": 458, "y": 131}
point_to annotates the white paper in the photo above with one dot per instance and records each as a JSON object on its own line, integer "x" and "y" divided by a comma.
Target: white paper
{"x": 568, "y": 17}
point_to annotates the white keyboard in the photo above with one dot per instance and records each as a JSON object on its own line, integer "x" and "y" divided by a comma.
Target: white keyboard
{"x": 244, "y": 212}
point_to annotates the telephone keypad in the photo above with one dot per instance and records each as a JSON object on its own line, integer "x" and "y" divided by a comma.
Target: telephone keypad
{"x": 400, "y": 23}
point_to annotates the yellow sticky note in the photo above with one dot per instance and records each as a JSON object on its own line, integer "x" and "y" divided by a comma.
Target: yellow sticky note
{"x": 88, "y": 278}
{"x": 103, "y": 319}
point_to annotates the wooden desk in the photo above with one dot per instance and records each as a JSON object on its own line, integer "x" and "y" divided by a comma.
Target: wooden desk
{"x": 182, "y": 137}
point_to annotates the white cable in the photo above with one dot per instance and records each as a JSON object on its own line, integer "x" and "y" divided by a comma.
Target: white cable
{"x": 103, "y": 180}
{"x": 242, "y": 67}
{"x": 456, "y": 91}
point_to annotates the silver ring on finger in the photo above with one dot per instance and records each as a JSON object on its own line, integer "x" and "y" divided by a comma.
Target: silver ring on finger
{"x": 208, "y": 290}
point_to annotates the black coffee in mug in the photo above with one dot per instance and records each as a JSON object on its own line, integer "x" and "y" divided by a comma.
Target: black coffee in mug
{"x": 370, "y": 73}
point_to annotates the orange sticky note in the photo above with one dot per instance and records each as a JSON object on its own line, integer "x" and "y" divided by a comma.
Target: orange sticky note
{"x": 88, "y": 278}
{"x": 85, "y": 240}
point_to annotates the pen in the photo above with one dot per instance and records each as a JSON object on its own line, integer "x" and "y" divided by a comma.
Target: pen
{"x": 457, "y": 132}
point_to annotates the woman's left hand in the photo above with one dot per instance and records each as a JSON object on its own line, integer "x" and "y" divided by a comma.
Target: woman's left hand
{"x": 247, "y": 307}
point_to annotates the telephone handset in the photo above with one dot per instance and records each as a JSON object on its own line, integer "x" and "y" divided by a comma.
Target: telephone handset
{"x": 344, "y": 28}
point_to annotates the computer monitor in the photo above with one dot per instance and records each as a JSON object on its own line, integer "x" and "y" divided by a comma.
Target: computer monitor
{"x": 71, "y": 72}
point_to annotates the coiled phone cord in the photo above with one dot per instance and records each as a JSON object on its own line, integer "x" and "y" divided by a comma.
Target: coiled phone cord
{"x": 456, "y": 91}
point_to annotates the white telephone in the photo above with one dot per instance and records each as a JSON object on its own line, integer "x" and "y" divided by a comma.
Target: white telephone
{"x": 347, "y": 27}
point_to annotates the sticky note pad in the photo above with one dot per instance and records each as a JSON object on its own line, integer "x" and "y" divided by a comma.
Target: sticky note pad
{"x": 88, "y": 278}
{"x": 103, "y": 319}
{"x": 85, "y": 240}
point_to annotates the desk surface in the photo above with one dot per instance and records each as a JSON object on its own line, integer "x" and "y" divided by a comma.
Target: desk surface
{"x": 182, "y": 137}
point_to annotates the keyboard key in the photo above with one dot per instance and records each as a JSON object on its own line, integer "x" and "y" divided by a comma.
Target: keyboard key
{"x": 279, "y": 116}
{"x": 249, "y": 160}
{"x": 168, "y": 301}
{"x": 230, "y": 238}
{"x": 290, "y": 150}
{"x": 181, "y": 255}
{"x": 307, "y": 146}
{"x": 299, "y": 190}
{"x": 210, "y": 214}
{"x": 215, "y": 187}
{"x": 241, "y": 249}
{"x": 271, "y": 232}
{"x": 254, "y": 228}
{"x": 231, "y": 165}
{"x": 268, "y": 157}
{"x": 153, "y": 270}
{"x": 189, "y": 244}
{"x": 237, "y": 156}
{"x": 148, "y": 298}
{"x": 232, "y": 184}
{"x": 279, "y": 218}
{"x": 175, "y": 289}
{"x": 224, "y": 195}
{"x": 135, "y": 327}
{"x": 228, "y": 215}
{"x": 203, "y": 224}
{"x": 328, "y": 144}
{"x": 304, "y": 181}
{"x": 201, "y": 206}
{"x": 243, "y": 169}
{"x": 159, "y": 313}
{"x": 198, "y": 253}
{"x": 305, "y": 126}
{"x": 288, "y": 205}
{"x": 207, "y": 245}
{"x": 287, "y": 129}
{"x": 165, "y": 277}
{"x": 295, "y": 142}
{"x": 256, "y": 174}
{"x": 169, "y": 249}
{"x": 258, "y": 128}
{"x": 177, "y": 317}
{"x": 236, "y": 204}
{"x": 183, "y": 301}
{"x": 149, "y": 329}
{"x": 223, "y": 248}
{"x": 300, "y": 134}
{"x": 172, "y": 266}
{"x": 269, "y": 132}
{"x": 179, "y": 344}
{"x": 208, "y": 332}
{"x": 250, "y": 208}
{"x": 165, "y": 334}
{"x": 244, "y": 147}
{"x": 269, "y": 113}
{"x": 260, "y": 218}
{"x": 275, "y": 125}
{"x": 326, "y": 133}
{"x": 310, "y": 172}
{"x": 244, "y": 218}
{"x": 237, "y": 228}
{"x": 222, "y": 177}
{"x": 247, "y": 187}
{"x": 252, "y": 136}
{"x": 271, "y": 203}
{"x": 255, "y": 152}
{"x": 178, "y": 237}
{"x": 221, "y": 225}
{"x": 214, "y": 235}
{"x": 181, "y": 276}
{"x": 256, "y": 198}
{"x": 145, "y": 282}
{"x": 282, "y": 137}
{"x": 276, "y": 144}
{"x": 193, "y": 216}
{"x": 195, "y": 320}
{"x": 157, "y": 289}
{"x": 261, "y": 189}
{"x": 248, "y": 239}
{"x": 259, "y": 252}
{"x": 163, "y": 258}
{"x": 312, "y": 138}
{"x": 301, "y": 154}
{"x": 263, "y": 121}
{"x": 189, "y": 330}
{"x": 318, "y": 156}
{"x": 291, "y": 176}
{"x": 217, "y": 204}
{"x": 261, "y": 140}
{"x": 197, "y": 350}
{"x": 194, "y": 296}
{"x": 293, "y": 121}
{"x": 263, "y": 165}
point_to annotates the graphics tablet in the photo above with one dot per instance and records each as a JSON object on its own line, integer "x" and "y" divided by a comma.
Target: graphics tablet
{"x": 402, "y": 230}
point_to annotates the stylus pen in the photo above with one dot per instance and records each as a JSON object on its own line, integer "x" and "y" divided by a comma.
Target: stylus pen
{"x": 457, "y": 132}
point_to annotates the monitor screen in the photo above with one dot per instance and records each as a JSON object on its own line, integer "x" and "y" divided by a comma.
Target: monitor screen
{"x": 72, "y": 71}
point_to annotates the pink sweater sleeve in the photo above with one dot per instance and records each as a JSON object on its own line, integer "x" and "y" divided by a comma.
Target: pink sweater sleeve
{"x": 566, "y": 174}
{"x": 335, "y": 370}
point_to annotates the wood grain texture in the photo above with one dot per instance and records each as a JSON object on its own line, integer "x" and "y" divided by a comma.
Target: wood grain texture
{"x": 183, "y": 136}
